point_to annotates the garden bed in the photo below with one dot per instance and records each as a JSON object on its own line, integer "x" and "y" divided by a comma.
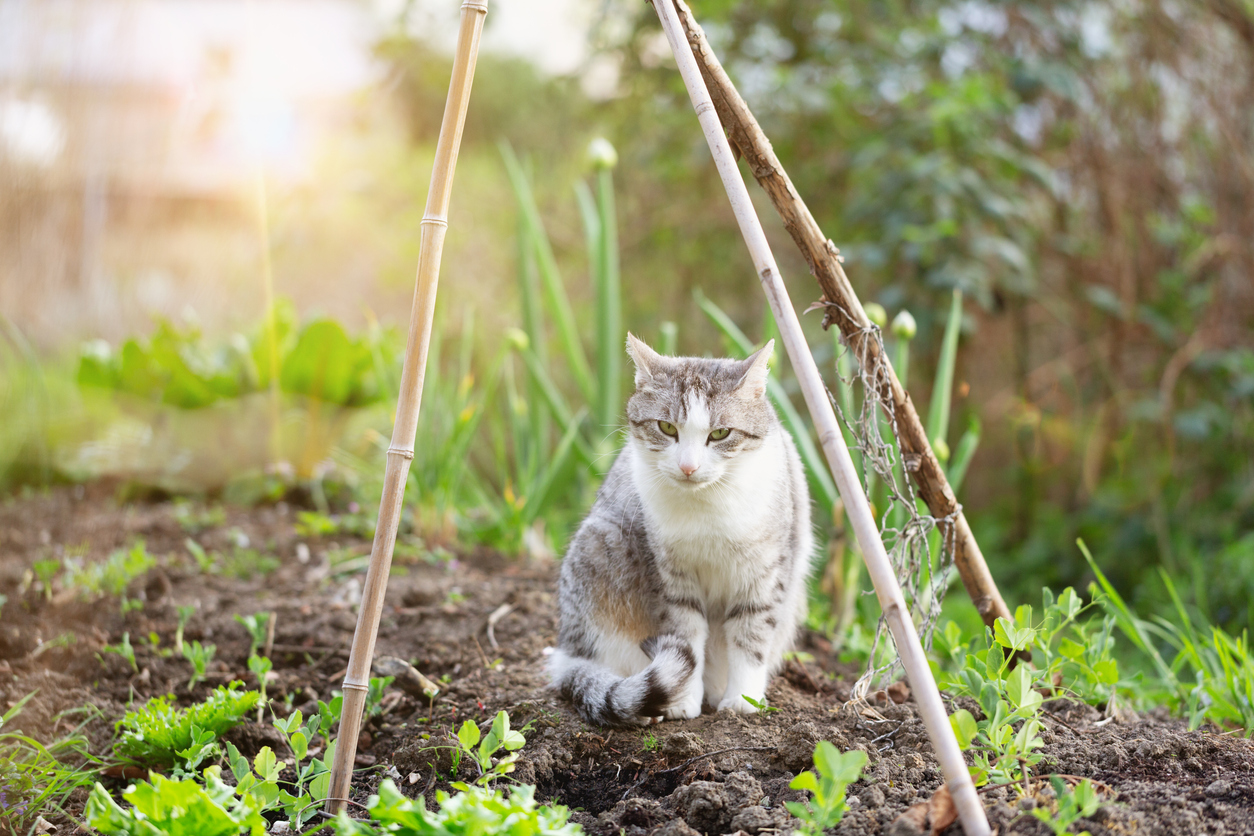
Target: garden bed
{"x": 715, "y": 774}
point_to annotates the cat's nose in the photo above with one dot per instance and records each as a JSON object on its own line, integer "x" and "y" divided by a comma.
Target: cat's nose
{"x": 688, "y": 468}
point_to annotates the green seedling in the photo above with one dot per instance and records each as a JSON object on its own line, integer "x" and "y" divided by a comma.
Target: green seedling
{"x": 200, "y": 656}
{"x": 157, "y": 734}
{"x": 260, "y": 667}
{"x": 374, "y": 695}
{"x": 123, "y": 649}
{"x": 827, "y": 806}
{"x": 204, "y": 562}
{"x": 256, "y": 625}
{"x": 110, "y": 577}
{"x": 46, "y": 571}
{"x": 298, "y": 799}
{"x": 185, "y": 614}
{"x": 1071, "y": 806}
{"x": 650, "y": 743}
{"x": 760, "y": 705}
{"x": 481, "y": 749}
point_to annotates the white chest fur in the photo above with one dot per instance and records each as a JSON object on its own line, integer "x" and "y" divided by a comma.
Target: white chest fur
{"x": 717, "y": 535}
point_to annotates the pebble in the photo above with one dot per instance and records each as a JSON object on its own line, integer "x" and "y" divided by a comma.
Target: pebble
{"x": 1218, "y": 788}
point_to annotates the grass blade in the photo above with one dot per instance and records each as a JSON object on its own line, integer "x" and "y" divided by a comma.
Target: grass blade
{"x": 555, "y": 292}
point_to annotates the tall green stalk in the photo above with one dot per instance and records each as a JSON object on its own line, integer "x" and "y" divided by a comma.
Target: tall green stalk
{"x": 942, "y": 390}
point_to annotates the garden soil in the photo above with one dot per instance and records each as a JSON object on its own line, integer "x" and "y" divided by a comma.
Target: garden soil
{"x": 716, "y": 774}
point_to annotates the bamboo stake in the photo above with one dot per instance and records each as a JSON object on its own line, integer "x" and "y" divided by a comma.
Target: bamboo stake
{"x": 910, "y": 649}
{"x": 401, "y": 451}
{"x": 842, "y": 307}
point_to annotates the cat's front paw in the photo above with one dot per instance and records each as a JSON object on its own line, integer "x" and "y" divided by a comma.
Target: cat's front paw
{"x": 739, "y": 705}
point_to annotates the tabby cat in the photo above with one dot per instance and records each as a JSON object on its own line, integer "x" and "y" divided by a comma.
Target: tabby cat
{"x": 685, "y": 584}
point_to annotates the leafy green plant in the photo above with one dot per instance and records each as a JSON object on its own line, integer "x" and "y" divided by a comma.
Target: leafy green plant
{"x": 112, "y": 576}
{"x": 1073, "y": 656}
{"x": 474, "y": 811}
{"x": 481, "y": 749}
{"x": 123, "y": 649}
{"x": 760, "y": 705}
{"x": 200, "y": 656}
{"x": 260, "y": 667}
{"x": 46, "y": 571}
{"x": 1221, "y": 688}
{"x": 1002, "y": 753}
{"x": 176, "y": 807}
{"x": 1071, "y": 805}
{"x": 300, "y": 799}
{"x": 256, "y": 624}
{"x": 827, "y": 806}
{"x": 158, "y": 734}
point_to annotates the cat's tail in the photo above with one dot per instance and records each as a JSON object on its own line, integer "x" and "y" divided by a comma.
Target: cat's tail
{"x": 604, "y": 698}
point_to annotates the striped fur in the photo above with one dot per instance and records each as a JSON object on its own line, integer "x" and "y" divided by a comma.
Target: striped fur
{"x": 685, "y": 584}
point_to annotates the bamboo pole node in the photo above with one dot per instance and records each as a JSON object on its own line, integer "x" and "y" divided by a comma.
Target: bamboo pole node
{"x": 404, "y": 452}
{"x": 434, "y": 222}
{"x": 477, "y": 5}
{"x": 354, "y": 685}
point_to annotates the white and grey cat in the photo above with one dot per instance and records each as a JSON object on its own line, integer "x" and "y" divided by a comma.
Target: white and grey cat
{"x": 686, "y": 582}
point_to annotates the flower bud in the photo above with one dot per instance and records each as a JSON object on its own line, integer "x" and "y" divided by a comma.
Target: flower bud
{"x": 517, "y": 339}
{"x": 876, "y": 313}
{"x": 601, "y": 153}
{"x": 904, "y": 325}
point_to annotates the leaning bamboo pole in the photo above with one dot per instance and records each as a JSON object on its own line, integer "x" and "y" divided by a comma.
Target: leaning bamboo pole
{"x": 909, "y": 648}
{"x": 843, "y": 308}
{"x": 401, "y": 451}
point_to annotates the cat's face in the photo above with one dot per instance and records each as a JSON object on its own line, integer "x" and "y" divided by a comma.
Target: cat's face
{"x": 691, "y": 418}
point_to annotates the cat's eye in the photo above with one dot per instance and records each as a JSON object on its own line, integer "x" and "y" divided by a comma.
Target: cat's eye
{"x": 720, "y": 434}
{"x": 668, "y": 428}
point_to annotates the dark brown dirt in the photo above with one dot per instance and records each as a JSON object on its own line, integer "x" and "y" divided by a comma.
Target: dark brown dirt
{"x": 713, "y": 775}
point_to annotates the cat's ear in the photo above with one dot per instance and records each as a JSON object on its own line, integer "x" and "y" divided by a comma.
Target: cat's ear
{"x": 646, "y": 359}
{"x": 752, "y": 383}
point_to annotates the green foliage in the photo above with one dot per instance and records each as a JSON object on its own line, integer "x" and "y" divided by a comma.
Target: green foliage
{"x": 178, "y": 367}
{"x": 160, "y": 735}
{"x": 481, "y": 750}
{"x": 1071, "y": 806}
{"x": 112, "y": 576}
{"x": 200, "y": 656}
{"x": 826, "y": 807}
{"x": 1210, "y": 677}
{"x": 256, "y": 624}
{"x": 123, "y": 649}
{"x": 475, "y": 811}
{"x": 1071, "y": 656}
{"x": 180, "y": 807}
{"x": 760, "y": 705}
{"x": 36, "y": 778}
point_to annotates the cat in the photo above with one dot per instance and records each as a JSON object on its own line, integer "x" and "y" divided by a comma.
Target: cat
{"x": 686, "y": 582}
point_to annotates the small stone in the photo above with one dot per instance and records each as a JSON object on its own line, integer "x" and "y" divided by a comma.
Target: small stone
{"x": 1218, "y": 788}
{"x": 1027, "y": 803}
